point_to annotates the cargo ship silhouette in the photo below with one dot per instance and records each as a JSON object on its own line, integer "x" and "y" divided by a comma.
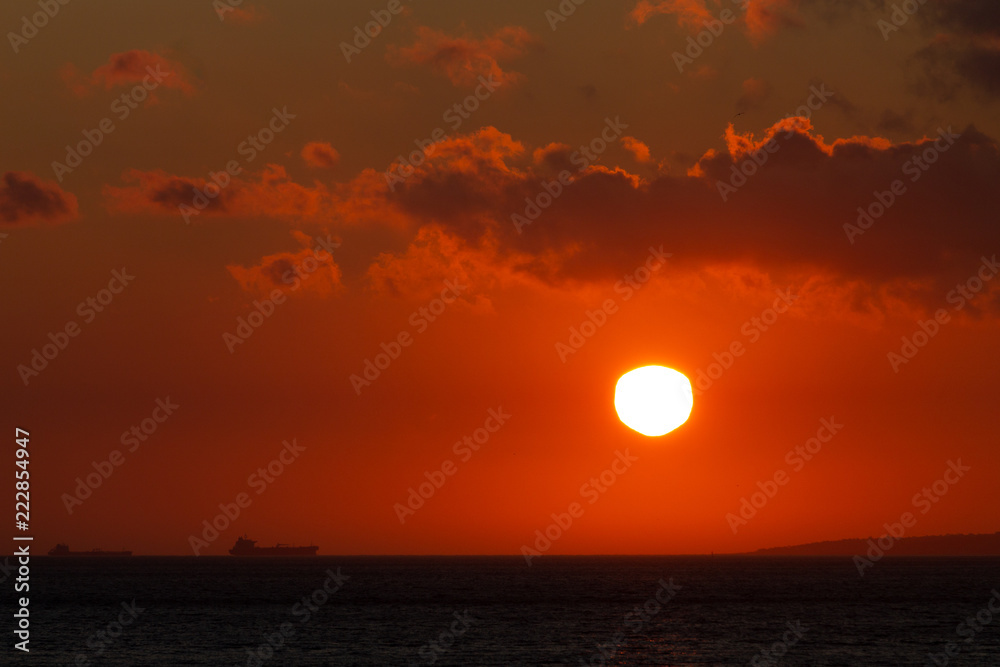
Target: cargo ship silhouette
{"x": 63, "y": 550}
{"x": 247, "y": 547}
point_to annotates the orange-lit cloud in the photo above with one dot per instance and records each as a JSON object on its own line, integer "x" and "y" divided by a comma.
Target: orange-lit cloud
{"x": 320, "y": 154}
{"x": 26, "y": 199}
{"x": 470, "y": 187}
{"x": 765, "y": 17}
{"x": 129, "y": 68}
{"x": 434, "y": 256}
{"x": 465, "y": 59}
{"x": 597, "y": 224}
{"x": 639, "y": 150}
{"x": 309, "y": 271}
{"x": 762, "y": 18}
{"x": 690, "y": 13}
{"x": 270, "y": 193}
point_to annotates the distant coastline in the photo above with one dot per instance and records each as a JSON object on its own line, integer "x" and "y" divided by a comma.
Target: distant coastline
{"x": 985, "y": 544}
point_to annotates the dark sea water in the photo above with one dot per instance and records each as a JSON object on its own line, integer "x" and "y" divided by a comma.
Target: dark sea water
{"x": 498, "y": 611}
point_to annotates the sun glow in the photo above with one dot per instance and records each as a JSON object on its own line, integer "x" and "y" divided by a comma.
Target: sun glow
{"x": 653, "y": 400}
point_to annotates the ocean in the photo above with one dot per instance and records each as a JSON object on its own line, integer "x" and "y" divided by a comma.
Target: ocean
{"x": 669, "y": 610}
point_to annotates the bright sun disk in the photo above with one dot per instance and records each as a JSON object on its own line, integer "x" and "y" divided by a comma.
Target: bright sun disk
{"x": 653, "y": 400}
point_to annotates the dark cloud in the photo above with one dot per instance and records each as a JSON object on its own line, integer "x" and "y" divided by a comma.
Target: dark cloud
{"x": 790, "y": 214}
{"x": 465, "y": 59}
{"x": 950, "y": 63}
{"x": 24, "y": 199}
{"x": 965, "y": 48}
{"x": 969, "y": 17}
{"x": 269, "y": 193}
{"x": 177, "y": 191}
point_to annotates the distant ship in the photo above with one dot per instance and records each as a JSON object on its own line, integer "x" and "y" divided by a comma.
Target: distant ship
{"x": 246, "y": 547}
{"x": 63, "y": 550}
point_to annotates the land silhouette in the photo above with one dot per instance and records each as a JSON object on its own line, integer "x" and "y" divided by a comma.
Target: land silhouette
{"x": 984, "y": 544}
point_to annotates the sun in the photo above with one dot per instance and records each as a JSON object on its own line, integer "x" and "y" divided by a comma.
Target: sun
{"x": 653, "y": 400}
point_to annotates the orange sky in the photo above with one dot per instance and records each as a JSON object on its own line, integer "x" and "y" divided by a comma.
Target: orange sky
{"x": 563, "y": 155}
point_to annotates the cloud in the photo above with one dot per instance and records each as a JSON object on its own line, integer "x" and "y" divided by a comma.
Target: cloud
{"x": 754, "y": 91}
{"x": 762, "y": 18}
{"x": 434, "y": 256}
{"x": 975, "y": 17}
{"x": 690, "y": 13}
{"x": 962, "y": 47}
{"x": 320, "y": 155}
{"x": 270, "y": 193}
{"x": 465, "y": 59}
{"x": 129, "y": 68}
{"x": 787, "y": 218}
{"x": 309, "y": 271}
{"x": 766, "y": 17}
{"x": 25, "y": 199}
{"x": 639, "y": 150}
{"x": 952, "y": 60}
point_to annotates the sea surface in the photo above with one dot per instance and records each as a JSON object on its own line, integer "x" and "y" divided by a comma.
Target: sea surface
{"x": 669, "y": 610}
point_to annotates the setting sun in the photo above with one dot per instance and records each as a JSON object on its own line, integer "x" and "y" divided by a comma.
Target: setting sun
{"x": 653, "y": 400}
